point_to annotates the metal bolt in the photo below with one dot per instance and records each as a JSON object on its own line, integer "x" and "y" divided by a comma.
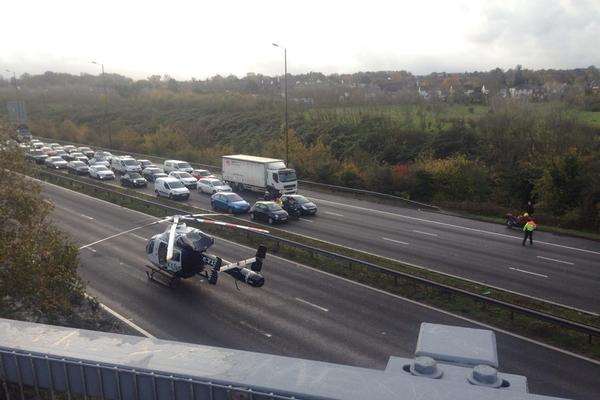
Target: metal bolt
{"x": 425, "y": 366}
{"x": 485, "y": 375}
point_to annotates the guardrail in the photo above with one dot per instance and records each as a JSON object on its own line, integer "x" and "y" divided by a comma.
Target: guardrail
{"x": 396, "y": 278}
{"x": 332, "y": 188}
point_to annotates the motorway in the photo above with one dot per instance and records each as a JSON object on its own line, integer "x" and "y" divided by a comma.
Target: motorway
{"x": 300, "y": 312}
{"x": 561, "y": 269}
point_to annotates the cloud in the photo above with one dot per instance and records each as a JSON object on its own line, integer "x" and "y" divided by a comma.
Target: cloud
{"x": 539, "y": 33}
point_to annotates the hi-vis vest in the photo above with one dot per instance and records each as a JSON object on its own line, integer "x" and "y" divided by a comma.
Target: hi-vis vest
{"x": 529, "y": 226}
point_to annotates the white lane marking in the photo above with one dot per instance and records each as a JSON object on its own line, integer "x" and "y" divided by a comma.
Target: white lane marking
{"x": 247, "y": 325}
{"x": 456, "y": 226}
{"x": 312, "y": 304}
{"x": 124, "y": 320}
{"x": 332, "y": 213}
{"x": 528, "y": 272}
{"x": 306, "y": 220}
{"x": 87, "y": 216}
{"x": 337, "y": 244}
{"x": 555, "y": 260}
{"x": 394, "y": 241}
{"x": 139, "y": 237}
{"x": 90, "y": 249}
{"x": 118, "y": 234}
{"x": 425, "y": 233}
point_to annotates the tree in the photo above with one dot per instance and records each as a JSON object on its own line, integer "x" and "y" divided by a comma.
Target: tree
{"x": 562, "y": 184}
{"x": 38, "y": 265}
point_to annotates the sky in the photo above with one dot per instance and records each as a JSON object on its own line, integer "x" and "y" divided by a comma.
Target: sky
{"x": 202, "y": 38}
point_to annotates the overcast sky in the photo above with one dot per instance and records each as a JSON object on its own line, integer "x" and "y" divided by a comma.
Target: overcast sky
{"x": 202, "y": 38}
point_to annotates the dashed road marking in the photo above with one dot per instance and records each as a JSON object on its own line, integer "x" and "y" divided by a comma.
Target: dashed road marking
{"x": 426, "y": 233}
{"x": 247, "y": 325}
{"x": 555, "y": 260}
{"x": 87, "y": 216}
{"x": 394, "y": 241}
{"x": 90, "y": 249}
{"x": 332, "y": 213}
{"x": 306, "y": 220}
{"x": 312, "y": 304}
{"x": 528, "y": 272}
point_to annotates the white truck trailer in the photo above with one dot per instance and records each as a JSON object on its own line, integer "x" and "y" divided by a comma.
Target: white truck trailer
{"x": 258, "y": 174}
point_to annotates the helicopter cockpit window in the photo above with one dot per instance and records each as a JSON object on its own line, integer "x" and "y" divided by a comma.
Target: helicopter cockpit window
{"x": 162, "y": 252}
{"x": 176, "y": 256}
{"x": 197, "y": 240}
{"x": 150, "y": 247}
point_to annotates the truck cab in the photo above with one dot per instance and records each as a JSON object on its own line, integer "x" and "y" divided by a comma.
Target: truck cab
{"x": 282, "y": 178}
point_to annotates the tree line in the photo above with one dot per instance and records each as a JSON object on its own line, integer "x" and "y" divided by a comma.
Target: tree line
{"x": 488, "y": 158}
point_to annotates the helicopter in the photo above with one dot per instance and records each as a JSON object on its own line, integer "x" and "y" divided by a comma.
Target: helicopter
{"x": 180, "y": 253}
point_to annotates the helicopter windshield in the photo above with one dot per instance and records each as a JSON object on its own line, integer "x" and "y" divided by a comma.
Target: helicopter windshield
{"x": 198, "y": 240}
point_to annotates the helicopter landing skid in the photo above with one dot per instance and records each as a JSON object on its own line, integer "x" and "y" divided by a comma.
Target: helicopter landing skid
{"x": 161, "y": 277}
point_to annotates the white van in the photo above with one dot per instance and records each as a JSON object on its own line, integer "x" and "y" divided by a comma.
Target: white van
{"x": 172, "y": 188}
{"x": 177, "y": 165}
{"x": 124, "y": 165}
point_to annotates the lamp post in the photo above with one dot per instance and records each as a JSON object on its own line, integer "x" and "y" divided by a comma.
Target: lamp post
{"x": 107, "y": 131}
{"x": 287, "y": 150}
{"x": 14, "y": 80}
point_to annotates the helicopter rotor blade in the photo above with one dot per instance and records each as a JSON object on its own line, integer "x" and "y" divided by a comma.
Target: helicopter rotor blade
{"x": 172, "y": 238}
{"x": 244, "y": 227}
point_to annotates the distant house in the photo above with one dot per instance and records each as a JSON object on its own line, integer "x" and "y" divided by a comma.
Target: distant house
{"x": 304, "y": 100}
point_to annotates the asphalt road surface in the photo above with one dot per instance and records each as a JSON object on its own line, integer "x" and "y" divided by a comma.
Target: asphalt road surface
{"x": 561, "y": 269}
{"x": 300, "y": 312}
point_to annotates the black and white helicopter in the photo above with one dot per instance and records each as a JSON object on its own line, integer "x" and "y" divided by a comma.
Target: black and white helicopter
{"x": 180, "y": 253}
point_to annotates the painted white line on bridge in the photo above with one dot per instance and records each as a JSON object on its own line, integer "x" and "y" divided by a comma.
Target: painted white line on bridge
{"x": 528, "y": 272}
{"x": 247, "y": 325}
{"x": 425, "y": 233}
{"x": 332, "y": 213}
{"x": 312, "y": 304}
{"x": 555, "y": 260}
{"x": 394, "y": 241}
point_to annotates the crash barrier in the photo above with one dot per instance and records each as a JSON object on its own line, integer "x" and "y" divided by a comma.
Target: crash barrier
{"x": 331, "y": 188}
{"x": 39, "y": 361}
{"x": 352, "y": 268}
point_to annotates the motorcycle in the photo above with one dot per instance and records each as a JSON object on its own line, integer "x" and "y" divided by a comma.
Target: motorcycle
{"x": 516, "y": 221}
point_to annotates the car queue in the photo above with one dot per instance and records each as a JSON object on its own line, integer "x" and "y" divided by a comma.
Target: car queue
{"x": 174, "y": 179}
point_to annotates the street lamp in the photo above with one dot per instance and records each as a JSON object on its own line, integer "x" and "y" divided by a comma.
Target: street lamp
{"x": 287, "y": 150}
{"x": 15, "y": 81}
{"x": 107, "y": 131}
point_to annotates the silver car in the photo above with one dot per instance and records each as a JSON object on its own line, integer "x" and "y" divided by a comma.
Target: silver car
{"x": 55, "y": 162}
{"x": 101, "y": 172}
{"x": 212, "y": 186}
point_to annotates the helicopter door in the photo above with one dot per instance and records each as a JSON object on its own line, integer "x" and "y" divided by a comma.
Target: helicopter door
{"x": 162, "y": 252}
